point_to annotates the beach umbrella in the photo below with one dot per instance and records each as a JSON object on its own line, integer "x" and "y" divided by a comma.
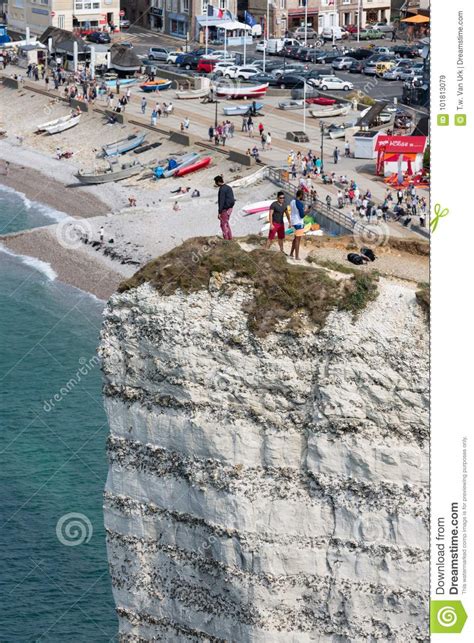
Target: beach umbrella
{"x": 416, "y": 20}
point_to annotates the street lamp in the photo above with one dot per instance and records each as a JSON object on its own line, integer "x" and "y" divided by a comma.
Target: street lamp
{"x": 321, "y": 125}
{"x": 358, "y": 19}
{"x": 215, "y": 120}
{"x": 305, "y": 22}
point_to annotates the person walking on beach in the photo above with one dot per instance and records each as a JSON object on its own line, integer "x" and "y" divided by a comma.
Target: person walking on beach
{"x": 276, "y": 219}
{"x": 269, "y": 141}
{"x": 336, "y": 155}
{"x": 101, "y": 234}
{"x": 225, "y": 203}
{"x": 117, "y": 87}
{"x": 143, "y": 105}
{"x": 154, "y": 116}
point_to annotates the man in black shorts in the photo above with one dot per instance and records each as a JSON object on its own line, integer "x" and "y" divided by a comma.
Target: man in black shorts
{"x": 278, "y": 211}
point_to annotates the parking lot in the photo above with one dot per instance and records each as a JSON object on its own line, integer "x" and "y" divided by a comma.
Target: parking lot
{"x": 376, "y": 87}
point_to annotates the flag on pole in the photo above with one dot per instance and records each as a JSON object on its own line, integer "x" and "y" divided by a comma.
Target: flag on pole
{"x": 250, "y": 20}
{"x": 220, "y": 14}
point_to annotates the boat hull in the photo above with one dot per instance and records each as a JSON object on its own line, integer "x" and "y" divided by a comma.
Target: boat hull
{"x": 155, "y": 87}
{"x": 189, "y": 159}
{"x": 61, "y": 127}
{"x": 242, "y": 92}
{"x": 108, "y": 177}
{"x": 202, "y": 163}
{"x": 121, "y": 147}
{"x": 325, "y": 113}
{"x": 196, "y": 93}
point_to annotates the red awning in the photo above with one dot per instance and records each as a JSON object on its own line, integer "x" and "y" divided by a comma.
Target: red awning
{"x": 401, "y": 144}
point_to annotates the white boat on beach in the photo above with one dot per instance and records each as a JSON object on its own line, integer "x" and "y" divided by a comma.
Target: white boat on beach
{"x": 331, "y": 110}
{"x": 341, "y": 131}
{"x": 192, "y": 93}
{"x": 63, "y": 124}
{"x": 59, "y": 124}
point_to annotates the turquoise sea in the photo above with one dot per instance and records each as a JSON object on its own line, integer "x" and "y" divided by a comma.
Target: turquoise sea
{"x": 52, "y": 452}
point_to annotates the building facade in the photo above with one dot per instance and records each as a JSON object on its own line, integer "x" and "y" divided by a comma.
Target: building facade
{"x": 65, "y": 14}
{"x": 369, "y": 10}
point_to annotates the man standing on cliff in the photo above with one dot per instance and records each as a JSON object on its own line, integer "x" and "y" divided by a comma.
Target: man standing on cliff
{"x": 225, "y": 203}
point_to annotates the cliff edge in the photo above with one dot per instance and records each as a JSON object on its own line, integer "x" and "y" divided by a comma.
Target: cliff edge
{"x": 268, "y": 479}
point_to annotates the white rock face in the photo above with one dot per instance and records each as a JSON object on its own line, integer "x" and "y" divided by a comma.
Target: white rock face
{"x": 266, "y": 490}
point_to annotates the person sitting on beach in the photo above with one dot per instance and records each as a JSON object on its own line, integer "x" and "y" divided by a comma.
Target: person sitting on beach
{"x": 195, "y": 193}
{"x": 132, "y": 201}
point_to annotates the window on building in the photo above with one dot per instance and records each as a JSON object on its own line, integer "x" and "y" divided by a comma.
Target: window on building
{"x": 178, "y": 27}
{"x": 61, "y": 21}
{"x": 185, "y": 6}
{"x": 223, "y": 4}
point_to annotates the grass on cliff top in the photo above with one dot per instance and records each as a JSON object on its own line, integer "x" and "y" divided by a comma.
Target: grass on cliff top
{"x": 281, "y": 290}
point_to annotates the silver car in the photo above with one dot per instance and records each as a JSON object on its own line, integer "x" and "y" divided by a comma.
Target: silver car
{"x": 344, "y": 62}
{"x": 158, "y": 53}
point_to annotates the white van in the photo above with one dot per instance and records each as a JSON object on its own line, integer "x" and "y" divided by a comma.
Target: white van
{"x": 256, "y": 31}
{"x": 331, "y": 33}
{"x": 274, "y": 46}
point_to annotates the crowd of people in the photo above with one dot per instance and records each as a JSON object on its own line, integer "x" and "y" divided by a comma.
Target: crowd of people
{"x": 220, "y": 133}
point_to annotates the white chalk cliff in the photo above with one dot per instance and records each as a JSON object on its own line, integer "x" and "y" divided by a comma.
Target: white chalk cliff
{"x": 267, "y": 489}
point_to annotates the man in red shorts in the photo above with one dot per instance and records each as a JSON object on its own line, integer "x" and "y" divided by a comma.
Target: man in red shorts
{"x": 276, "y": 218}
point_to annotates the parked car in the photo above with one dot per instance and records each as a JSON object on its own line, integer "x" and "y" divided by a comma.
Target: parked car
{"x": 290, "y": 80}
{"x": 288, "y": 69}
{"x": 172, "y": 56}
{"x": 189, "y": 61}
{"x": 158, "y": 53}
{"x": 357, "y": 67}
{"x": 261, "y": 78}
{"x": 261, "y": 46}
{"x": 379, "y": 63}
{"x": 309, "y": 32}
{"x": 386, "y": 27}
{"x": 312, "y": 55}
{"x": 329, "y": 34}
{"x": 242, "y": 73}
{"x": 124, "y": 23}
{"x": 344, "y": 62}
{"x": 126, "y": 44}
{"x": 405, "y": 51}
{"x": 409, "y": 73}
{"x": 317, "y": 73}
{"x": 369, "y": 34}
{"x": 99, "y": 37}
{"x": 327, "y": 58}
{"x": 206, "y": 65}
{"x": 395, "y": 73}
{"x": 221, "y": 66}
{"x": 334, "y": 83}
{"x": 361, "y": 54}
{"x": 382, "y": 50}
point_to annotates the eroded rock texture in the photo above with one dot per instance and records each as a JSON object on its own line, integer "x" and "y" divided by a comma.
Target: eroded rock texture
{"x": 269, "y": 489}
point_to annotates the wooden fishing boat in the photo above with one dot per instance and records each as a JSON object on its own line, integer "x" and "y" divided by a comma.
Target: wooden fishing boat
{"x": 291, "y": 104}
{"x": 241, "y": 110}
{"x": 193, "y": 167}
{"x": 252, "y": 91}
{"x": 63, "y": 124}
{"x": 57, "y": 122}
{"x": 124, "y": 171}
{"x": 330, "y": 110}
{"x": 192, "y": 93}
{"x": 158, "y": 85}
{"x": 123, "y": 145}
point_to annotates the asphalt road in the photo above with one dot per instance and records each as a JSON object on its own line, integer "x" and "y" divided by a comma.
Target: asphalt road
{"x": 377, "y": 88}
